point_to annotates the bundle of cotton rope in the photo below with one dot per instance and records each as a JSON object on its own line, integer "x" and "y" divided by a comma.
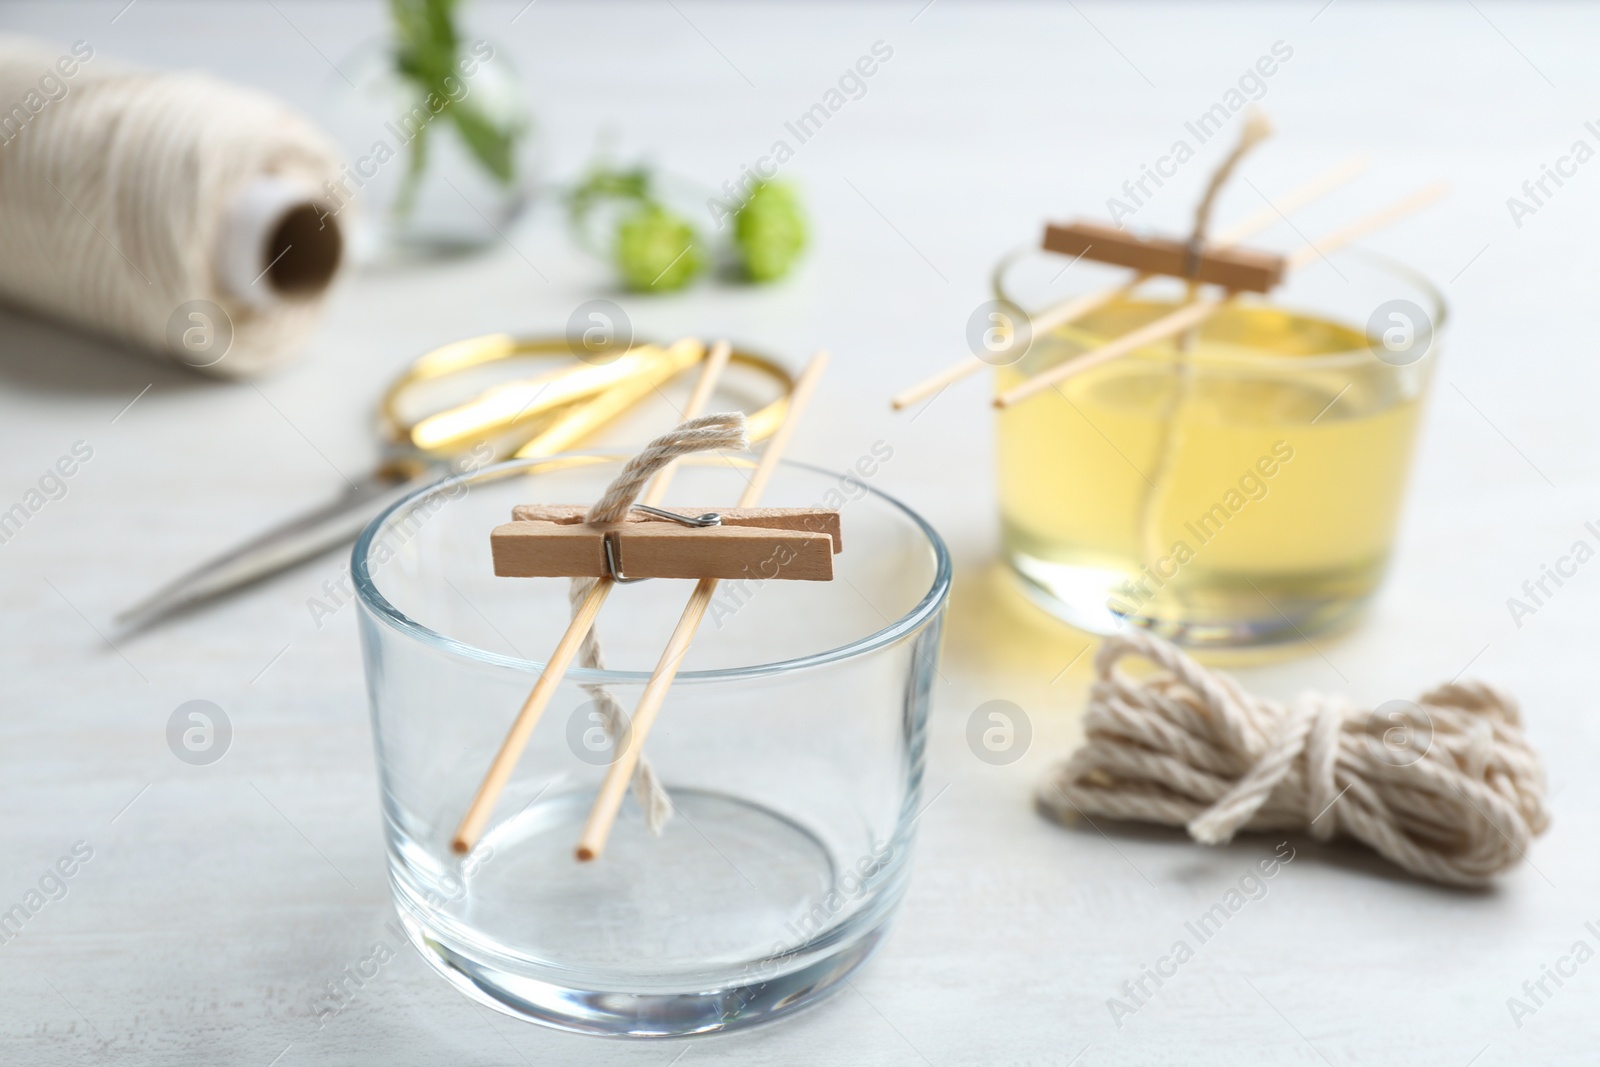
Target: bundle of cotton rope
{"x": 170, "y": 211}
{"x": 1447, "y": 788}
{"x": 706, "y": 433}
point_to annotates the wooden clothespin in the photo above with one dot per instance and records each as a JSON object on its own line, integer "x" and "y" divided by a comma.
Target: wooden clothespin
{"x": 553, "y": 541}
{"x": 1235, "y": 269}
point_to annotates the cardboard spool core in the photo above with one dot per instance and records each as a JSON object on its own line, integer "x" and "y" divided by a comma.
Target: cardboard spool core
{"x": 304, "y": 252}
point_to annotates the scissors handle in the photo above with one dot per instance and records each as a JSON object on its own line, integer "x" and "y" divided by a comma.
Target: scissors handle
{"x": 557, "y": 409}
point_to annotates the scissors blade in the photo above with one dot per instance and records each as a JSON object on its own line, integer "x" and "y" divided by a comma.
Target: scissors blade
{"x": 310, "y": 534}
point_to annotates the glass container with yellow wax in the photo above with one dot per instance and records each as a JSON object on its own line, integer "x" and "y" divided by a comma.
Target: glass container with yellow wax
{"x": 1240, "y": 486}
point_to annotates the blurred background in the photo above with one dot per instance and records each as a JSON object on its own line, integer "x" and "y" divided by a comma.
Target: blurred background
{"x": 208, "y": 921}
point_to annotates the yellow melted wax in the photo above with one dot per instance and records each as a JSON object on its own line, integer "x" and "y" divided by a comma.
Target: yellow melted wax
{"x": 1258, "y": 471}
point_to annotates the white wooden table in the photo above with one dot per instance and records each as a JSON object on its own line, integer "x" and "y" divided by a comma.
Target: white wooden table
{"x": 220, "y": 900}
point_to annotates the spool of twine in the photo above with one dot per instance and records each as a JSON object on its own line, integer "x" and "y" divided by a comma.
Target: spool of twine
{"x": 173, "y": 212}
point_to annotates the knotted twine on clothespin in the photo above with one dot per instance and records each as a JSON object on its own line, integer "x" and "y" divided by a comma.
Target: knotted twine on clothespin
{"x": 707, "y": 433}
{"x": 1447, "y": 788}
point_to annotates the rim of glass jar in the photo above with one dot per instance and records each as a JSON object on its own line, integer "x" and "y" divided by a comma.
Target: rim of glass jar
{"x": 1440, "y": 314}
{"x": 397, "y": 620}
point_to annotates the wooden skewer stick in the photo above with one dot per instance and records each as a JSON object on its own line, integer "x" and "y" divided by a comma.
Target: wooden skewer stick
{"x": 1191, "y": 315}
{"x": 1270, "y": 214}
{"x": 1075, "y": 308}
{"x": 1186, "y": 317}
{"x": 609, "y": 800}
{"x": 1358, "y": 229}
{"x": 555, "y": 669}
{"x": 716, "y": 363}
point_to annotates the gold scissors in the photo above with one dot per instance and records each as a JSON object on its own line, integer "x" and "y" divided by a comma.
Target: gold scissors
{"x": 538, "y": 415}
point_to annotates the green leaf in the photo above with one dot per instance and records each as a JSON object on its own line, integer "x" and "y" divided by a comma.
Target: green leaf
{"x": 428, "y": 46}
{"x": 492, "y": 145}
{"x": 426, "y": 32}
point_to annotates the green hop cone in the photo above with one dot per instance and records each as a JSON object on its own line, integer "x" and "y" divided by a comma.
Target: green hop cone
{"x": 657, "y": 250}
{"x": 770, "y": 231}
